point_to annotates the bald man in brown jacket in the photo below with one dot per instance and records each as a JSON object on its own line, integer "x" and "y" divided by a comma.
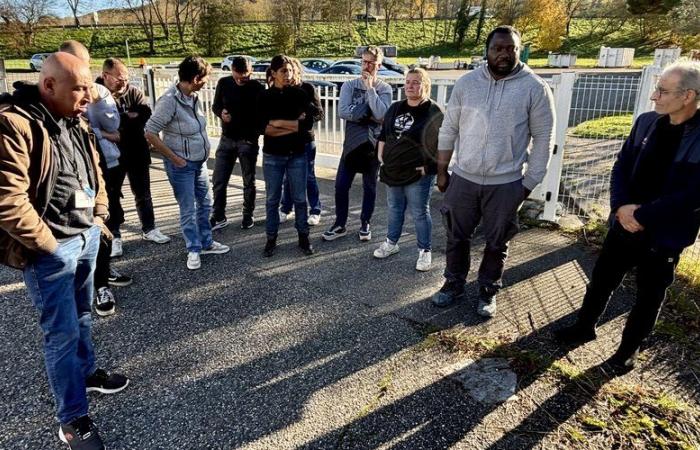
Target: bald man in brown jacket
{"x": 52, "y": 204}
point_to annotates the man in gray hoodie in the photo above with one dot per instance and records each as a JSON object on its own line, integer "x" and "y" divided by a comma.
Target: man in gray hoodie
{"x": 493, "y": 116}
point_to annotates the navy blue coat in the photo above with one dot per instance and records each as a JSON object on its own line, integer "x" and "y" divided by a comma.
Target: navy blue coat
{"x": 673, "y": 219}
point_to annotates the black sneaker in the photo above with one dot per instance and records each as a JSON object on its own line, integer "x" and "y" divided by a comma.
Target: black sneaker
{"x": 449, "y": 293}
{"x": 270, "y": 247}
{"x": 104, "y": 302}
{"x": 105, "y": 383}
{"x": 247, "y": 222}
{"x": 218, "y": 224}
{"x": 81, "y": 434}
{"x": 365, "y": 234}
{"x": 618, "y": 364}
{"x": 334, "y": 232}
{"x": 574, "y": 335}
{"x": 117, "y": 279}
{"x": 305, "y": 245}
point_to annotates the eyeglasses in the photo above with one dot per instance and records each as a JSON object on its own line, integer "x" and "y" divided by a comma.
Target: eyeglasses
{"x": 661, "y": 91}
{"x": 369, "y": 63}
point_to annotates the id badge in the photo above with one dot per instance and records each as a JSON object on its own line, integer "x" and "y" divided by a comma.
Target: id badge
{"x": 85, "y": 198}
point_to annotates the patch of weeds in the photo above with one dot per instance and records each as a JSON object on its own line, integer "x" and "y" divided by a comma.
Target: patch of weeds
{"x": 592, "y": 233}
{"x": 528, "y": 363}
{"x": 593, "y": 423}
{"x": 565, "y": 370}
{"x": 473, "y": 346}
{"x": 631, "y": 416}
{"x": 575, "y": 435}
{"x": 528, "y": 222}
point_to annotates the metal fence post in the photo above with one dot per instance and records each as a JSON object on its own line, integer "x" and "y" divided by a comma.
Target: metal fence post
{"x": 563, "y": 91}
{"x": 150, "y": 85}
{"x": 646, "y": 86}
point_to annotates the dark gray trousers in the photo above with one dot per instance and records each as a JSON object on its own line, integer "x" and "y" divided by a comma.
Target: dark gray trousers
{"x": 467, "y": 204}
{"x": 226, "y": 155}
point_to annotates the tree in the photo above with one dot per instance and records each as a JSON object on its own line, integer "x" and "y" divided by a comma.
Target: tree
{"x": 463, "y": 21}
{"x": 141, "y": 9}
{"x": 22, "y": 17}
{"x": 572, "y": 7}
{"x": 391, "y": 9}
{"x": 546, "y": 19}
{"x": 185, "y": 14}
{"x": 211, "y": 32}
{"x": 655, "y": 7}
{"x": 424, "y": 9}
{"x": 73, "y": 5}
{"x": 685, "y": 17}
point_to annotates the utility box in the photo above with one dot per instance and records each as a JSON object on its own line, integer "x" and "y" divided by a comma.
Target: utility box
{"x": 665, "y": 56}
{"x": 390, "y": 51}
{"x": 615, "y": 57}
{"x": 561, "y": 59}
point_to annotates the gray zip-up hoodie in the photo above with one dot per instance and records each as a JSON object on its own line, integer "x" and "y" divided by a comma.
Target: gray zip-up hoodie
{"x": 183, "y": 123}
{"x": 363, "y": 110}
{"x": 103, "y": 115}
{"x": 489, "y": 124}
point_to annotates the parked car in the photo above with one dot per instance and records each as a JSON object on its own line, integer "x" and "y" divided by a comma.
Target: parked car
{"x": 226, "y": 63}
{"x": 316, "y": 64}
{"x": 370, "y": 17}
{"x": 383, "y": 71}
{"x": 37, "y": 61}
{"x": 261, "y": 66}
{"x": 387, "y": 64}
{"x": 352, "y": 69}
{"x": 392, "y": 64}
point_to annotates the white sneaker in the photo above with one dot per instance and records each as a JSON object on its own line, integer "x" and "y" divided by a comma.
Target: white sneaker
{"x": 386, "y": 249}
{"x": 314, "y": 219}
{"x": 425, "y": 261}
{"x": 286, "y": 216}
{"x": 216, "y": 248}
{"x": 193, "y": 261}
{"x": 156, "y": 236}
{"x": 117, "y": 249}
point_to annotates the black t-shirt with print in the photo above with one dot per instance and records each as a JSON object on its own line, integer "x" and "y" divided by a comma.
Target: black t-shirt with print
{"x": 410, "y": 134}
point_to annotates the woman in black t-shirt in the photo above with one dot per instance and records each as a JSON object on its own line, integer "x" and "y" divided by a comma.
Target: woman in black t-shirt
{"x": 281, "y": 113}
{"x": 408, "y": 153}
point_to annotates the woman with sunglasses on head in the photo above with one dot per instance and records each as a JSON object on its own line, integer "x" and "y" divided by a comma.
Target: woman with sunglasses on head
{"x": 282, "y": 118}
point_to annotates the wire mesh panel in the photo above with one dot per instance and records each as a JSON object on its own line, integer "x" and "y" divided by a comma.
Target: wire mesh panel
{"x": 599, "y": 121}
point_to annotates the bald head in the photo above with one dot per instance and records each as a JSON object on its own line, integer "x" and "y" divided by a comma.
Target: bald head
{"x": 76, "y": 49}
{"x": 64, "y": 84}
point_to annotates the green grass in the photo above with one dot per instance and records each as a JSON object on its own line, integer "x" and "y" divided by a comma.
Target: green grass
{"x": 610, "y": 127}
{"x": 334, "y": 39}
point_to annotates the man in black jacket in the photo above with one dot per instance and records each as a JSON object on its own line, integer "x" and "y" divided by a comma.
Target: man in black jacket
{"x": 135, "y": 156}
{"x": 235, "y": 100}
{"x": 655, "y": 204}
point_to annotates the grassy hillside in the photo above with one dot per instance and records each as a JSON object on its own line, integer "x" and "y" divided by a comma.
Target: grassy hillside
{"x": 332, "y": 39}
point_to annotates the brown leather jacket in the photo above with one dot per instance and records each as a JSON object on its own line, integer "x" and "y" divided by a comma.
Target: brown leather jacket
{"x": 27, "y": 178}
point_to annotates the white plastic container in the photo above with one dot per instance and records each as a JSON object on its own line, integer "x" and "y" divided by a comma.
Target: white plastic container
{"x": 615, "y": 57}
{"x": 561, "y": 60}
{"x": 665, "y": 56}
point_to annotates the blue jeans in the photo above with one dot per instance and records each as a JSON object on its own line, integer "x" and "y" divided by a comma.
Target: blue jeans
{"x": 61, "y": 288}
{"x": 312, "y": 192}
{"x": 415, "y": 196}
{"x": 343, "y": 183}
{"x": 274, "y": 168}
{"x": 191, "y": 187}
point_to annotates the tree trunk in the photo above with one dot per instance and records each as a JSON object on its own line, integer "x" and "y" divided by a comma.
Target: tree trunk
{"x": 480, "y": 24}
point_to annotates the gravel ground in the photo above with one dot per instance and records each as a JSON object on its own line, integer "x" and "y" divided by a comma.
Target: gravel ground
{"x": 294, "y": 352}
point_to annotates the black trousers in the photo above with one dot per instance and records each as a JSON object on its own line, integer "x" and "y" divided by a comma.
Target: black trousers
{"x": 140, "y": 182}
{"x": 467, "y": 204}
{"x": 623, "y": 251}
{"x": 101, "y": 276}
{"x": 226, "y": 154}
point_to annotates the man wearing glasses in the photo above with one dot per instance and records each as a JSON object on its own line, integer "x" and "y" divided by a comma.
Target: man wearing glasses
{"x": 363, "y": 103}
{"x": 655, "y": 213}
{"x": 135, "y": 156}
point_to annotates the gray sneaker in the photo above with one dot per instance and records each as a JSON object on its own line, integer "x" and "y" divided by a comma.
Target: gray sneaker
{"x": 487, "y": 306}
